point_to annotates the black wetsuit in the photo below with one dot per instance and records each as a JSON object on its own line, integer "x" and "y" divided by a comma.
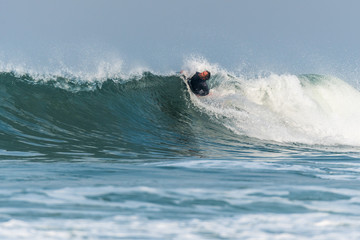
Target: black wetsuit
{"x": 197, "y": 85}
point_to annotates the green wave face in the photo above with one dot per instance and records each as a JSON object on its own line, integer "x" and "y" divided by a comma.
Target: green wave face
{"x": 147, "y": 117}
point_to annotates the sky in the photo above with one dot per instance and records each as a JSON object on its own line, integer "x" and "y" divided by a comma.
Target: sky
{"x": 304, "y": 36}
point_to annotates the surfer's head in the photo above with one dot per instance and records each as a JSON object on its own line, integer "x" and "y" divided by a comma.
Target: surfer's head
{"x": 205, "y": 75}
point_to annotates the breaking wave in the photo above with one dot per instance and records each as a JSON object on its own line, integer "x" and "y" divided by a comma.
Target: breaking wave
{"x": 153, "y": 115}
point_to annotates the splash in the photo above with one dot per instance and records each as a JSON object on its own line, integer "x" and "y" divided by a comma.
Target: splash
{"x": 309, "y": 109}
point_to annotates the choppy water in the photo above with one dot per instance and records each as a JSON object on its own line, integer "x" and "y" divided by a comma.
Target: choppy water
{"x": 139, "y": 157}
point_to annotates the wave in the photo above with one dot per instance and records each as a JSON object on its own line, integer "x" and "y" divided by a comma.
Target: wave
{"x": 152, "y": 115}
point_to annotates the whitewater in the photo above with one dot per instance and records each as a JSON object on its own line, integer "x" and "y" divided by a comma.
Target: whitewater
{"x": 113, "y": 154}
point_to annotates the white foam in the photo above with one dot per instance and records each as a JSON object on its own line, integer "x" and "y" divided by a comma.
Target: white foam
{"x": 286, "y": 108}
{"x": 241, "y": 164}
{"x": 247, "y": 226}
{"x": 344, "y": 177}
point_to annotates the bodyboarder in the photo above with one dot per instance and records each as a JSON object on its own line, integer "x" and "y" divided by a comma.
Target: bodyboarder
{"x": 197, "y": 83}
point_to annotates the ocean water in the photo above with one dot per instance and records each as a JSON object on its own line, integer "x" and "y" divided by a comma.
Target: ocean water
{"x": 109, "y": 155}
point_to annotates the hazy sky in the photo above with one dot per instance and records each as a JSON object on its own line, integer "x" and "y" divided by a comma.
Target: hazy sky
{"x": 306, "y": 35}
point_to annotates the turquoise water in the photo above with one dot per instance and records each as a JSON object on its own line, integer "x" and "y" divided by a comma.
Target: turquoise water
{"x": 139, "y": 157}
